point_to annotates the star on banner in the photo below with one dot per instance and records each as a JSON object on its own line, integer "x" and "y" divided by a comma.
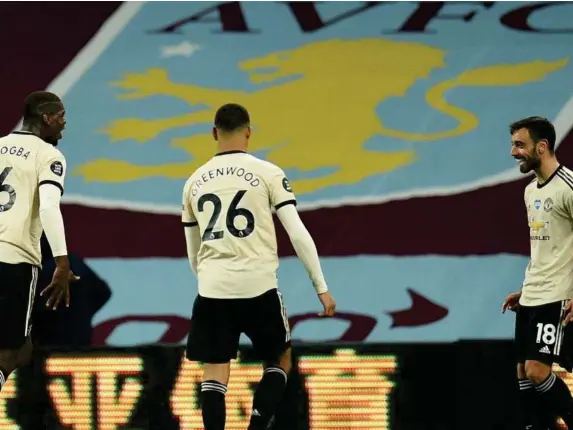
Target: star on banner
{"x": 184, "y": 49}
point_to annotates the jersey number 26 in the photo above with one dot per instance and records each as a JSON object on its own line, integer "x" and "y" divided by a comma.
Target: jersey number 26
{"x": 232, "y": 212}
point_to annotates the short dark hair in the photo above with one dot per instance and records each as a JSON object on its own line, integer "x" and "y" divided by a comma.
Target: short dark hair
{"x": 539, "y": 128}
{"x": 231, "y": 117}
{"x": 39, "y": 103}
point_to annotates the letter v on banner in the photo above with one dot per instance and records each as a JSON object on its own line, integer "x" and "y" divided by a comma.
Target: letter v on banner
{"x": 229, "y": 15}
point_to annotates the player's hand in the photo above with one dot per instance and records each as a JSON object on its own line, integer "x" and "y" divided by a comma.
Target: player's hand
{"x": 328, "y": 303}
{"x": 568, "y": 312}
{"x": 59, "y": 288}
{"x": 511, "y": 302}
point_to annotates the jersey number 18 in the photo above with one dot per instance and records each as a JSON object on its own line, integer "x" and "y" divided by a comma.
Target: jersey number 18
{"x": 232, "y": 212}
{"x": 546, "y": 333}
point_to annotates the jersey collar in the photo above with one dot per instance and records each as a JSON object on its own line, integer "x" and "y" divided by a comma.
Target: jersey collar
{"x": 236, "y": 151}
{"x": 29, "y": 133}
{"x": 550, "y": 178}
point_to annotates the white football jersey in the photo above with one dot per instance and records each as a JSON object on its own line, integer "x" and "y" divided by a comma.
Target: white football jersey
{"x": 26, "y": 163}
{"x": 549, "y": 274}
{"x": 231, "y": 198}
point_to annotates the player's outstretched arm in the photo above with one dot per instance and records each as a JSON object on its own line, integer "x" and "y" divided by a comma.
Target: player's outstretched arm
{"x": 306, "y": 251}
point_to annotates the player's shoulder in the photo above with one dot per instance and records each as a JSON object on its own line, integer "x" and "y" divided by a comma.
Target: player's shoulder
{"x": 199, "y": 171}
{"x": 6, "y": 138}
{"x": 43, "y": 149}
{"x": 32, "y": 144}
{"x": 195, "y": 175}
{"x": 21, "y": 138}
{"x": 190, "y": 180}
{"x": 51, "y": 152}
{"x": 565, "y": 176}
{"x": 265, "y": 167}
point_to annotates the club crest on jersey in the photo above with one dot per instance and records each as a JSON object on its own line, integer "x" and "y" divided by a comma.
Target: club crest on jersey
{"x": 286, "y": 185}
{"x": 548, "y": 204}
{"x": 537, "y": 204}
{"x": 57, "y": 168}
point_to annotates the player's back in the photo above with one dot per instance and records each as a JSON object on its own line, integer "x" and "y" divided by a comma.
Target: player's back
{"x": 22, "y": 156}
{"x": 231, "y": 198}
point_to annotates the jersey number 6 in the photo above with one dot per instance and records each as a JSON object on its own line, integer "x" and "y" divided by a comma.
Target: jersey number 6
{"x": 232, "y": 213}
{"x": 7, "y": 189}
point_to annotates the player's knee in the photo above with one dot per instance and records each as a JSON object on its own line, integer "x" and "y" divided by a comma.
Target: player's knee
{"x": 8, "y": 360}
{"x": 521, "y": 371}
{"x": 285, "y": 361}
{"x": 536, "y": 371}
{"x": 24, "y": 354}
{"x": 217, "y": 372}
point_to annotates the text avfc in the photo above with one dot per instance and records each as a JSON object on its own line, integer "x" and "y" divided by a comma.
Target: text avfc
{"x": 14, "y": 150}
{"x": 238, "y": 172}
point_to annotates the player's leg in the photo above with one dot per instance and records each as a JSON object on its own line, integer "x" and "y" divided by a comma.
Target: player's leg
{"x": 270, "y": 390}
{"x": 532, "y": 412}
{"x": 7, "y": 365}
{"x": 213, "y": 340}
{"x": 529, "y": 403}
{"x": 16, "y": 301}
{"x": 268, "y": 329}
{"x": 546, "y": 341}
{"x": 213, "y": 391}
{"x": 11, "y": 359}
{"x": 25, "y": 353}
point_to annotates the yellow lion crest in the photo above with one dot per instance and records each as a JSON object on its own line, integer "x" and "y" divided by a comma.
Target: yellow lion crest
{"x": 318, "y": 118}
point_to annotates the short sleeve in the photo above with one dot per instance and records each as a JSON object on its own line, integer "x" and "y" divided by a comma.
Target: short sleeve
{"x": 187, "y": 215}
{"x": 280, "y": 190}
{"x": 52, "y": 170}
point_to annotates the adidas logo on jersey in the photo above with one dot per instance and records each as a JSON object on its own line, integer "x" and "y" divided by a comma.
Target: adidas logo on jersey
{"x": 545, "y": 350}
